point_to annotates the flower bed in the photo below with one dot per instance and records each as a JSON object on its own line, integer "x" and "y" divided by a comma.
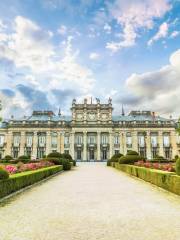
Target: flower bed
{"x": 20, "y": 180}
{"x": 164, "y": 179}
{"x": 159, "y": 166}
{"x": 12, "y": 169}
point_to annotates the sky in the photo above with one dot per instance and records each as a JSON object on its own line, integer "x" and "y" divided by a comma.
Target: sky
{"x": 52, "y": 51}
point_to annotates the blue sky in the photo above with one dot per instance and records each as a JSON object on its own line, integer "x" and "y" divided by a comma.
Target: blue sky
{"x": 53, "y": 50}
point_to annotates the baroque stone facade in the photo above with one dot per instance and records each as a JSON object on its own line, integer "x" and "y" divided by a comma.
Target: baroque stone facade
{"x": 91, "y": 133}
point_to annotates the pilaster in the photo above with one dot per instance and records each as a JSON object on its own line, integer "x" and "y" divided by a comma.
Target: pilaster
{"x": 85, "y": 146}
{"x": 160, "y": 142}
{"x": 148, "y": 145}
{"x": 48, "y": 142}
{"x": 72, "y": 145}
{"x": 135, "y": 141}
{"x": 173, "y": 142}
{"x": 35, "y": 143}
{"x": 22, "y": 143}
{"x": 98, "y": 145}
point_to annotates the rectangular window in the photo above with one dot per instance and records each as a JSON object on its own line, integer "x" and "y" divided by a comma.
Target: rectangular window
{"x": 166, "y": 141}
{"x": 2, "y": 140}
{"x": 141, "y": 141}
{"x": 42, "y": 140}
{"x": 154, "y": 141}
{"x": 116, "y": 139}
{"x": 29, "y": 140}
{"x": 66, "y": 140}
{"x": 129, "y": 140}
{"x": 54, "y": 140}
{"x": 104, "y": 139}
{"x": 16, "y": 140}
{"x": 91, "y": 140}
{"x": 79, "y": 139}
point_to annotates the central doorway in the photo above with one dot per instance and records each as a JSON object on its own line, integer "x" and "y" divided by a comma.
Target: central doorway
{"x": 79, "y": 155}
{"x": 104, "y": 154}
{"x": 91, "y": 154}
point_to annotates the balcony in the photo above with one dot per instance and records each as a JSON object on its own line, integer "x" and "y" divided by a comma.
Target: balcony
{"x": 78, "y": 145}
{"x": 91, "y": 145}
{"x": 104, "y": 145}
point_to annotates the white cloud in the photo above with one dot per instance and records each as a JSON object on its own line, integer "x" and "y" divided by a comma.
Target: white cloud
{"x": 94, "y": 56}
{"x": 62, "y": 30}
{"x": 107, "y": 28}
{"x": 159, "y": 89}
{"x": 174, "y": 34}
{"x": 133, "y": 16}
{"x": 44, "y": 66}
{"x": 162, "y": 33}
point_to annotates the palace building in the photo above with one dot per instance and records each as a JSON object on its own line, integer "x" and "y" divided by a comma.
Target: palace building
{"x": 91, "y": 133}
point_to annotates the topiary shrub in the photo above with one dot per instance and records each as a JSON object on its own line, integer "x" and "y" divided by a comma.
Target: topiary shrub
{"x": 116, "y": 157}
{"x": 23, "y": 157}
{"x": 54, "y": 155}
{"x": 159, "y": 159}
{"x": 56, "y": 161}
{"x": 8, "y": 157}
{"x": 67, "y": 156}
{"x": 178, "y": 166}
{"x": 130, "y": 159}
{"x": 74, "y": 162}
{"x": 66, "y": 164}
{"x": 3, "y": 174}
{"x": 131, "y": 152}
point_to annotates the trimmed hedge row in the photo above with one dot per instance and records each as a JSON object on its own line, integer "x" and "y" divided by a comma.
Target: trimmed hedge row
{"x": 166, "y": 180}
{"x": 21, "y": 180}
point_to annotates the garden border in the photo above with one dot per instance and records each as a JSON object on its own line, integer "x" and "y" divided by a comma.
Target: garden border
{"x": 33, "y": 178}
{"x": 166, "y": 180}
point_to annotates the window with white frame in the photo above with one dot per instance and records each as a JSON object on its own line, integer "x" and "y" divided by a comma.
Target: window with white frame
{"x": 29, "y": 140}
{"x": 16, "y": 140}
{"x": 54, "y": 139}
{"x": 66, "y": 139}
{"x": 91, "y": 139}
{"x": 42, "y": 140}
{"x": 166, "y": 141}
{"x": 141, "y": 141}
{"x": 128, "y": 140}
{"x": 104, "y": 139}
{"x": 2, "y": 140}
{"x": 154, "y": 141}
{"x": 116, "y": 139}
{"x": 79, "y": 139}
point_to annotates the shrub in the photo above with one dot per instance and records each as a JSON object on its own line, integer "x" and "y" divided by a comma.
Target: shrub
{"x": 54, "y": 155}
{"x": 116, "y": 157}
{"x": 130, "y": 159}
{"x": 8, "y": 157}
{"x": 24, "y": 157}
{"x": 66, "y": 156}
{"x": 3, "y": 174}
{"x": 178, "y": 166}
{"x": 74, "y": 162}
{"x": 109, "y": 162}
{"x": 66, "y": 164}
{"x": 160, "y": 159}
{"x": 56, "y": 161}
{"x": 131, "y": 152}
{"x": 21, "y": 180}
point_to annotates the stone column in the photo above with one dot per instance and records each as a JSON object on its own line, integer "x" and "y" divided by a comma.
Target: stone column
{"x": 35, "y": 144}
{"x": 98, "y": 145}
{"x": 111, "y": 144}
{"x": 9, "y": 139}
{"x": 62, "y": 142}
{"x": 135, "y": 141}
{"x": 123, "y": 148}
{"x": 58, "y": 142}
{"x": 85, "y": 146}
{"x": 148, "y": 145}
{"x": 22, "y": 143}
{"x": 72, "y": 145}
{"x": 48, "y": 142}
{"x": 160, "y": 142}
{"x": 173, "y": 142}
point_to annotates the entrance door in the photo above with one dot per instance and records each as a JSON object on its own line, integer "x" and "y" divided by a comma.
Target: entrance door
{"x": 104, "y": 154}
{"x": 79, "y": 154}
{"x": 91, "y": 154}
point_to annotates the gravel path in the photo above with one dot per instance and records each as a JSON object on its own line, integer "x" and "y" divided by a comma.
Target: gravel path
{"x": 91, "y": 202}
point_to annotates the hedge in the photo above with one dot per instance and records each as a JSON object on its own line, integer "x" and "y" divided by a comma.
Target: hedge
{"x": 166, "y": 180}
{"x": 21, "y": 180}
